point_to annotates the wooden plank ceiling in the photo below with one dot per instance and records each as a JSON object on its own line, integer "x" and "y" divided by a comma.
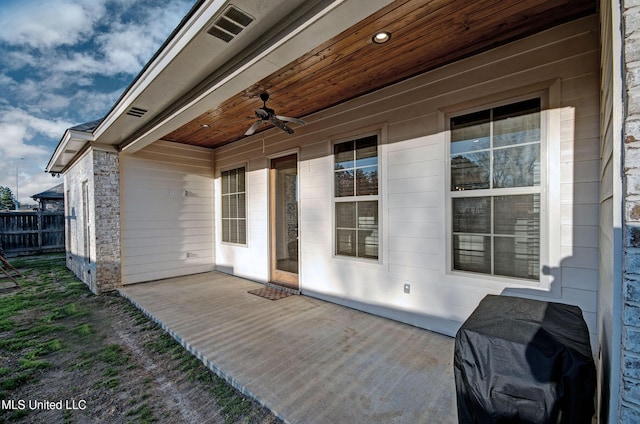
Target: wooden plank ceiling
{"x": 426, "y": 34}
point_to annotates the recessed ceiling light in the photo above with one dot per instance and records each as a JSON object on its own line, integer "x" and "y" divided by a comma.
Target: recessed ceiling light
{"x": 381, "y": 37}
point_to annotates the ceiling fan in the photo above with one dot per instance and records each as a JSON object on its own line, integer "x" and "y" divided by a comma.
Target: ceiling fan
{"x": 268, "y": 115}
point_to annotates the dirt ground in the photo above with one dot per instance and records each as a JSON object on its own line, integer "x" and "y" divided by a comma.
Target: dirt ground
{"x": 105, "y": 362}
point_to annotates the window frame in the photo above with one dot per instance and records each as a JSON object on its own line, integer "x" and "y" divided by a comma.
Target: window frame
{"x": 378, "y": 133}
{"x": 246, "y": 206}
{"x": 546, "y": 137}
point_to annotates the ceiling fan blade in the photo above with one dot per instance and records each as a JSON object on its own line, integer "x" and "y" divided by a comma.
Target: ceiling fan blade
{"x": 254, "y": 127}
{"x": 262, "y": 113}
{"x": 294, "y": 120}
{"x": 278, "y": 123}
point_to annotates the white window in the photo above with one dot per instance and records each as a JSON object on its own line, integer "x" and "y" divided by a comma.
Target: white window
{"x": 234, "y": 212}
{"x": 356, "y": 197}
{"x": 495, "y": 193}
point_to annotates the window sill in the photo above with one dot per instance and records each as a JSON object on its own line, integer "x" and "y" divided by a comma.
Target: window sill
{"x": 497, "y": 282}
{"x": 363, "y": 261}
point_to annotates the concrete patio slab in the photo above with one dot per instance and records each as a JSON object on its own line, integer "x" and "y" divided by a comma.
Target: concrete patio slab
{"x": 307, "y": 360}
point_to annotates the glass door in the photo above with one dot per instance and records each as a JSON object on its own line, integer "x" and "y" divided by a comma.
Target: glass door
{"x": 283, "y": 176}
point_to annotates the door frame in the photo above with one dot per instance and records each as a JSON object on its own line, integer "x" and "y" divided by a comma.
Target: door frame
{"x": 278, "y": 277}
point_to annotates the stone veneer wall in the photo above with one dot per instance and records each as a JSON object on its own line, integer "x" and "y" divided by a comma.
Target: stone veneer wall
{"x": 107, "y": 220}
{"x": 630, "y": 389}
{"x": 79, "y": 250}
{"x": 96, "y": 261}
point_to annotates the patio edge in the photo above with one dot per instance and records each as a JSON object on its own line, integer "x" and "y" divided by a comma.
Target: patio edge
{"x": 206, "y": 361}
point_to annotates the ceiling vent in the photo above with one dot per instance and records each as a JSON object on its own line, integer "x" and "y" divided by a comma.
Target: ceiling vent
{"x": 230, "y": 24}
{"x": 137, "y": 112}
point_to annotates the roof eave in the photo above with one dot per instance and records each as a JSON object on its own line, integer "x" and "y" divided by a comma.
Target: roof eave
{"x": 70, "y": 146}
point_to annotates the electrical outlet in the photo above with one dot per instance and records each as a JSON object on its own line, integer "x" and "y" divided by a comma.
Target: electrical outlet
{"x": 407, "y": 288}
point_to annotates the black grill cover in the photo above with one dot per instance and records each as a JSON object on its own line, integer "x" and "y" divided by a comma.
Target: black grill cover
{"x": 524, "y": 361}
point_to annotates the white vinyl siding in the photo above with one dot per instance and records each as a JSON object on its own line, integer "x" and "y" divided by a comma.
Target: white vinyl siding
{"x": 413, "y": 148}
{"x": 167, "y": 212}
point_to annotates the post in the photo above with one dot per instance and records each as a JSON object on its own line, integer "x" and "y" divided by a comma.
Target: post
{"x": 40, "y": 223}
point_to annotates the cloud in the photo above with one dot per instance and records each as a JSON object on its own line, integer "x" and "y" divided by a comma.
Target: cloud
{"x": 24, "y": 151}
{"x": 18, "y": 59}
{"x": 125, "y": 50}
{"x": 49, "y": 23}
{"x": 64, "y": 62}
{"x": 18, "y": 127}
{"x": 131, "y": 41}
{"x": 73, "y": 40}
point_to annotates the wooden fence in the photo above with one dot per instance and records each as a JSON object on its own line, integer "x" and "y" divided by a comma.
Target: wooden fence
{"x": 24, "y": 233}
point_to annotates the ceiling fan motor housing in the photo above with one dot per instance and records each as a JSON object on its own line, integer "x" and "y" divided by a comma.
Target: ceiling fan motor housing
{"x": 266, "y": 114}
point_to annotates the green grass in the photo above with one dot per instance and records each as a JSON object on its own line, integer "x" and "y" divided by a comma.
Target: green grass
{"x": 142, "y": 414}
{"x": 11, "y": 305}
{"x": 32, "y": 318}
{"x": 18, "y": 414}
{"x": 231, "y": 403}
{"x": 85, "y": 361}
{"x": 50, "y": 325}
{"x": 164, "y": 343}
{"x": 113, "y": 355}
{"x": 37, "y": 364}
{"x": 40, "y": 330}
{"x": 84, "y": 330}
{"x": 16, "y": 380}
{"x": 109, "y": 383}
{"x": 68, "y": 310}
{"x": 15, "y": 344}
{"x": 6, "y": 325}
{"x": 45, "y": 348}
{"x": 112, "y": 372}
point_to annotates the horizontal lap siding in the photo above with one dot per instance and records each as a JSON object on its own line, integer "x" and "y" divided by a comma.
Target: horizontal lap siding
{"x": 167, "y": 212}
{"x": 413, "y": 188}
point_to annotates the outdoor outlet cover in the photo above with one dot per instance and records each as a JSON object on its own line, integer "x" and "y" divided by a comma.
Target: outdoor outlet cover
{"x": 407, "y": 288}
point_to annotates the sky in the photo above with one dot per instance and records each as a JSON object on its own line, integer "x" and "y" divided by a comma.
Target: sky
{"x": 64, "y": 63}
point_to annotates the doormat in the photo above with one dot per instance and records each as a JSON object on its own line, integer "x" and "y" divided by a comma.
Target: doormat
{"x": 271, "y": 293}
